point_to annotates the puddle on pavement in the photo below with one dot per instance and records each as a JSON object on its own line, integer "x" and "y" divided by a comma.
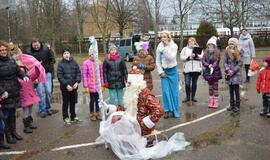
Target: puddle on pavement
{"x": 216, "y": 136}
{"x": 190, "y": 116}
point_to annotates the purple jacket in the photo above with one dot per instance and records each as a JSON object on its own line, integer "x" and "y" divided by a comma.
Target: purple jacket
{"x": 216, "y": 75}
{"x": 236, "y": 67}
{"x": 89, "y": 75}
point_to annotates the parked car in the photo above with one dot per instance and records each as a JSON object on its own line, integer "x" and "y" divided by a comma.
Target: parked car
{"x": 126, "y": 47}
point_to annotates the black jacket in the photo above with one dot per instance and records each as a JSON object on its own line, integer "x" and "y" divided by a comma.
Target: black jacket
{"x": 9, "y": 73}
{"x": 115, "y": 72}
{"x": 44, "y": 55}
{"x": 68, "y": 73}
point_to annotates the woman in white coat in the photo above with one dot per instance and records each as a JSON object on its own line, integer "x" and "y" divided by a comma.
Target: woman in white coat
{"x": 192, "y": 68}
{"x": 167, "y": 69}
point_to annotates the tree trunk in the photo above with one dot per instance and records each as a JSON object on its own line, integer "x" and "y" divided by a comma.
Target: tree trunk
{"x": 182, "y": 34}
{"x": 231, "y": 29}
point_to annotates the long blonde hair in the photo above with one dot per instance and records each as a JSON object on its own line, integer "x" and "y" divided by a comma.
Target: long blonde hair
{"x": 168, "y": 34}
{"x": 236, "y": 54}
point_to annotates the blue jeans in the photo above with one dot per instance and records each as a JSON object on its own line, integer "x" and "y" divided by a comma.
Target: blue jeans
{"x": 48, "y": 92}
{"x": 194, "y": 76}
{"x": 119, "y": 93}
{"x": 2, "y": 126}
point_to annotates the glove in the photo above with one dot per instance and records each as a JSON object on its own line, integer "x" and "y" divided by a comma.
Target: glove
{"x": 102, "y": 89}
{"x": 25, "y": 79}
{"x": 258, "y": 91}
{"x": 86, "y": 90}
{"x": 106, "y": 85}
{"x": 230, "y": 72}
{"x": 141, "y": 66}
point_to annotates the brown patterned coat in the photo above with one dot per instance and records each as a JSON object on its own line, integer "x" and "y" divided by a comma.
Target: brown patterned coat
{"x": 148, "y": 106}
{"x": 149, "y": 63}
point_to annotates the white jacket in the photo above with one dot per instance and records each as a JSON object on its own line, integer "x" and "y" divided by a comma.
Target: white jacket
{"x": 190, "y": 65}
{"x": 168, "y": 57}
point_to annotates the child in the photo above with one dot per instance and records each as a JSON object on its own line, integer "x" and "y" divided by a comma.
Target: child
{"x": 2, "y": 126}
{"x": 69, "y": 76}
{"x": 263, "y": 86}
{"x": 233, "y": 69}
{"x": 145, "y": 63}
{"x": 115, "y": 75}
{"x": 212, "y": 72}
{"x": 90, "y": 83}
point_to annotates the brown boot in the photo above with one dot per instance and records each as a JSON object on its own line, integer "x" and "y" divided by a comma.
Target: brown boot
{"x": 93, "y": 116}
{"x": 98, "y": 116}
{"x": 120, "y": 108}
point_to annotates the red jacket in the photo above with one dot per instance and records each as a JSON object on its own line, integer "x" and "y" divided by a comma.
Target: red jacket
{"x": 263, "y": 81}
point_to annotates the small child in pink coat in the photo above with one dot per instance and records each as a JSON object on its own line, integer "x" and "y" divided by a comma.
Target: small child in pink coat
{"x": 90, "y": 82}
{"x": 28, "y": 96}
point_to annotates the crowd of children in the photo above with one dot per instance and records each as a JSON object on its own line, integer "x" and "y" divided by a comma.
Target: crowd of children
{"x": 114, "y": 76}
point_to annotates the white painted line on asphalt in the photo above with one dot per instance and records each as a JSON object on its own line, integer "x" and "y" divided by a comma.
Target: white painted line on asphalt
{"x": 194, "y": 121}
{"x": 77, "y": 146}
{"x": 10, "y": 153}
{"x": 166, "y": 130}
{"x": 98, "y": 143}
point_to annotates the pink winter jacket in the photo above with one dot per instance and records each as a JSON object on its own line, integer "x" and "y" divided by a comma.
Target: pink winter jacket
{"x": 28, "y": 94}
{"x": 89, "y": 75}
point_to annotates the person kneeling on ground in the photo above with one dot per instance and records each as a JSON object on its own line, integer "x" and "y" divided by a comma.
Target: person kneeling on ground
{"x": 145, "y": 108}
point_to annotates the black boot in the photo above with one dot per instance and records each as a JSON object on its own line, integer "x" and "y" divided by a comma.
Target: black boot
{"x": 194, "y": 88}
{"x": 237, "y": 106}
{"x": 31, "y": 121}
{"x": 12, "y": 122}
{"x": 187, "y": 94}
{"x": 9, "y": 136}
{"x": 26, "y": 123}
{"x": 231, "y": 107}
{"x": 2, "y": 142}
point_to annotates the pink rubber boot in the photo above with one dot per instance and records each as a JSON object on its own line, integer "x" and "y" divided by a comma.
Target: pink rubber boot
{"x": 211, "y": 102}
{"x": 216, "y": 102}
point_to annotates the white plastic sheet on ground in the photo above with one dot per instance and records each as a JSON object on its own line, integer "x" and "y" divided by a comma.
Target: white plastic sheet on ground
{"x": 126, "y": 141}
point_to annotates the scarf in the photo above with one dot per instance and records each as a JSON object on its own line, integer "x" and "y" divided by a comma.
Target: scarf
{"x": 113, "y": 57}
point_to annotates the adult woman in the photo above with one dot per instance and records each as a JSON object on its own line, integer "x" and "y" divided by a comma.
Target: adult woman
{"x": 10, "y": 91}
{"x": 192, "y": 68}
{"x": 246, "y": 43}
{"x": 167, "y": 69}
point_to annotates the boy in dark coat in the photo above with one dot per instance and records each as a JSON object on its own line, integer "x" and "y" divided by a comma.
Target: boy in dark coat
{"x": 69, "y": 76}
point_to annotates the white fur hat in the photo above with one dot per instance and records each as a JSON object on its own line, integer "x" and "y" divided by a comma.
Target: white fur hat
{"x": 212, "y": 40}
{"x": 233, "y": 41}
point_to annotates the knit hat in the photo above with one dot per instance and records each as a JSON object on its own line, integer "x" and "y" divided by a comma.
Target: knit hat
{"x": 267, "y": 60}
{"x": 135, "y": 75}
{"x": 64, "y": 50}
{"x": 111, "y": 47}
{"x": 233, "y": 41}
{"x": 212, "y": 40}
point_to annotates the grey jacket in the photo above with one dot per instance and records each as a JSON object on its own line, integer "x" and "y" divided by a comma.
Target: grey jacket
{"x": 236, "y": 67}
{"x": 246, "y": 43}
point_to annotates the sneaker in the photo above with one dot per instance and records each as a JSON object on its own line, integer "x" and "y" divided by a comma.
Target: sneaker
{"x": 49, "y": 112}
{"x": 76, "y": 120}
{"x": 67, "y": 122}
{"x": 42, "y": 115}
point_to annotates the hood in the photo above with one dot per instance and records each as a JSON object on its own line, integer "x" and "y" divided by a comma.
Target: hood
{"x": 245, "y": 37}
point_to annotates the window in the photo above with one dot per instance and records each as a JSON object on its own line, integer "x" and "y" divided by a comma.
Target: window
{"x": 122, "y": 43}
{"x": 128, "y": 41}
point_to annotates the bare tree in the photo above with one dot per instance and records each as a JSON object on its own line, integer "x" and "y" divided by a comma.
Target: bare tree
{"x": 99, "y": 12}
{"x": 182, "y": 8}
{"x": 123, "y": 13}
{"x": 231, "y": 13}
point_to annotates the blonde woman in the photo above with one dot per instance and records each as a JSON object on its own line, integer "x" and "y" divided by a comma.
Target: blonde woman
{"x": 192, "y": 68}
{"x": 167, "y": 69}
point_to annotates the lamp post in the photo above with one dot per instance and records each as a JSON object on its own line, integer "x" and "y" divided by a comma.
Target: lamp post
{"x": 9, "y": 38}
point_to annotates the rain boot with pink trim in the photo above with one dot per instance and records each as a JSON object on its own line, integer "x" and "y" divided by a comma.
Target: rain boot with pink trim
{"x": 211, "y": 101}
{"x": 216, "y": 102}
